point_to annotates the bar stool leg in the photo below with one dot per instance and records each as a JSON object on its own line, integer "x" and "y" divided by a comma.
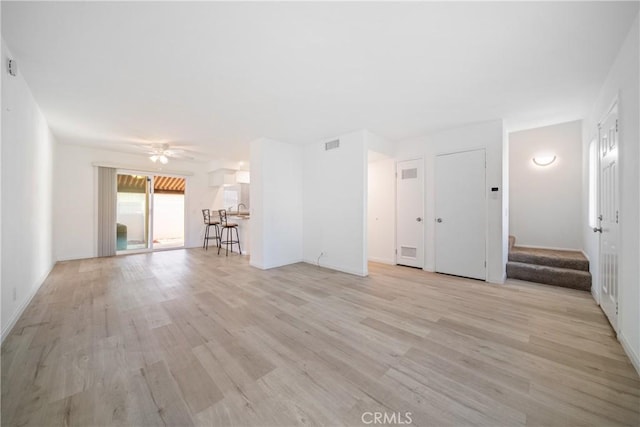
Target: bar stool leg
{"x": 238, "y": 238}
{"x": 226, "y": 237}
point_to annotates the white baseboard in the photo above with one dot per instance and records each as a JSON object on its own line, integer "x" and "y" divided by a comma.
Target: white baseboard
{"x": 337, "y": 268}
{"x": 6, "y": 329}
{"x": 75, "y": 258}
{"x": 256, "y": 265}
{"x": 633, "y": 356}
{"x": 275, "y": 265}
{"x": 594, "y": 293}
{"x": 382, "y": 260}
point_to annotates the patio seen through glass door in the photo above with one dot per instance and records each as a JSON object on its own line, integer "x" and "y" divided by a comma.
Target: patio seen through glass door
{"x": 150, "y": 212}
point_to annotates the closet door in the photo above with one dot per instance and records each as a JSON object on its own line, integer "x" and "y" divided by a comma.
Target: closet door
{"x": 461, "y": 214}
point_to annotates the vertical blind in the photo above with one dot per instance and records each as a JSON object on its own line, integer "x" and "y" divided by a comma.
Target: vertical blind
{"x": 106, "y": 211}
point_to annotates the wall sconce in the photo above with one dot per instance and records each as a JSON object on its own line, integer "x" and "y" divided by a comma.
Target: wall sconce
{"x": 544, "y": 160}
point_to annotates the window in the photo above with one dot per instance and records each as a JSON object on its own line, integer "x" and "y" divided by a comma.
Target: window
{"x": 231, "y": 197}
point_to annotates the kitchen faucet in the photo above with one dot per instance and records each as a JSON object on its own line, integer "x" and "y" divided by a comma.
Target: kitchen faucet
{"x": 241, "y": 204}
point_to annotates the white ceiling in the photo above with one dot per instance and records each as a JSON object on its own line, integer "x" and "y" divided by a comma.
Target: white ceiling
{"x": 217, "y": 75}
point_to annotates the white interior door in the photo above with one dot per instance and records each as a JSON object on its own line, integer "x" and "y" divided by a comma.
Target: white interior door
{"x": 410, "y": 228}
{"x": 609, "y": 208}
{"x": 461, "y": 207}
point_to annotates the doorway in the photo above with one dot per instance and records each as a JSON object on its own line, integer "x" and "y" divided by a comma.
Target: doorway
{"x": 410, "y": 213}
{"x": 461, "y": 214}
{"x": 150, "y": 212}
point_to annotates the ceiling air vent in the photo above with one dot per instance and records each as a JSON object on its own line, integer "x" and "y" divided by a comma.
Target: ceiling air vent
{"x": 331, "y": 145}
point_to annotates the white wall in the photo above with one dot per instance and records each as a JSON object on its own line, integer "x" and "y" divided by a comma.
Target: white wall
{"x": 3, "y": 325}
{"x": 27, "y": 167}
{"x": 378, "y": 146}
{"x": 487, "y": 135}
{"x": 75, "y": 207}
{"x": 335, "y": 204}
{"x": 545, "y": 202}
{"x": 276, "y": 203}
{"x": 622, "y": 81}
{"x": 307, "y": 201}
{"x": 381, "y": 210}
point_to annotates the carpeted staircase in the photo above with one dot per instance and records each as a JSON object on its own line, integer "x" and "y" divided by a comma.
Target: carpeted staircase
{"x": 569, "y": 269}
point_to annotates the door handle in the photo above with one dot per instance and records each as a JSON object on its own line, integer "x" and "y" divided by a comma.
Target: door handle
{"x": 597, "y": 229}
{"x": 419, "y": 219}
{"x": 439, "y": 220}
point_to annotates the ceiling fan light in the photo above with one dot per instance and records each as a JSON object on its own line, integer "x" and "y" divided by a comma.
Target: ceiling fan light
{"x": 154, "y": 158}
{"x": 163, "y": 159}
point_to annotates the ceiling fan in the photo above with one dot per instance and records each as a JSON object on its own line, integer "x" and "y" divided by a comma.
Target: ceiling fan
{"x": 162, "y": 152}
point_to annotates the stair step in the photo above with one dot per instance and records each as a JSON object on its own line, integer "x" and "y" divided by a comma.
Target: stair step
{"x": 549, "y": 257}
{"x": 564, "y": 277}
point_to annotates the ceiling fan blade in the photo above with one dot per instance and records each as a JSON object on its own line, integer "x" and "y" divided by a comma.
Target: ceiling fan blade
{"x": 158, "y": 149}
{"x": 145, "y": 148}
{"x": 182, "y": 155}
{"x": 173, "y": 152}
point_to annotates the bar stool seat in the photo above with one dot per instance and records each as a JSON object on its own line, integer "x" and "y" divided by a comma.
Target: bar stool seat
{"x": 229, "y": 227}
{"x": 208, "y": 222}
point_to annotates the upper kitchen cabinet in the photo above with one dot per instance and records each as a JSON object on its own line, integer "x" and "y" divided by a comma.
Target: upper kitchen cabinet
{"x": 222, "y": 178}
{"x": 226, "y": 177}
{"x": 243, "y": 177}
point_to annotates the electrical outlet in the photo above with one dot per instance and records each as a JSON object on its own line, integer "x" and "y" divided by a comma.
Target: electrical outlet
{"x": 14, "y": 294}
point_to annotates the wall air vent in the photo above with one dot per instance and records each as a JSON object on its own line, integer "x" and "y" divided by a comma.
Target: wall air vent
{"x": 409, "y": 173}
{"x": 408, "y": 252}
{"x": 331, "y": 145}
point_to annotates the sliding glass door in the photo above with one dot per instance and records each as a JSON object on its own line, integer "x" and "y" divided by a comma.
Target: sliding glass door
{"x": 150, "y": 212}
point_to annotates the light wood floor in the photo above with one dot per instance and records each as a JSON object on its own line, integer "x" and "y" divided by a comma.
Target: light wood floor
{"x": 188, "y": 337}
